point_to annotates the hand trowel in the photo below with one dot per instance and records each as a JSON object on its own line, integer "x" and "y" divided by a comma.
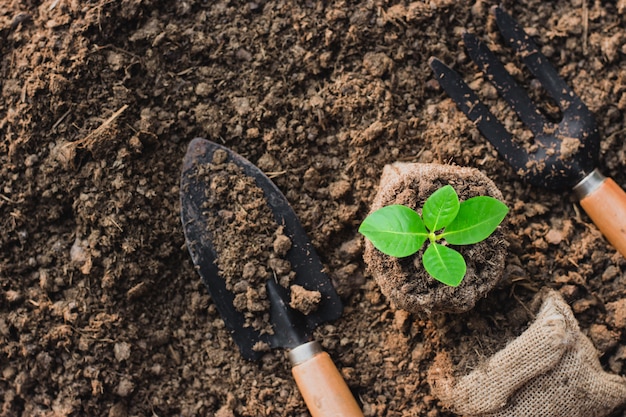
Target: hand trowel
{"x": 320, "y": 383}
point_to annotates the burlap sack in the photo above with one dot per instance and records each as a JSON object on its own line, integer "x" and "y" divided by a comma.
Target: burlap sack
{"x": 550, "y": 370}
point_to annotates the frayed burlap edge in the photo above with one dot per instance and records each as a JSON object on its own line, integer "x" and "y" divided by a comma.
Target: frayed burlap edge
{"x": 552, "y": 369}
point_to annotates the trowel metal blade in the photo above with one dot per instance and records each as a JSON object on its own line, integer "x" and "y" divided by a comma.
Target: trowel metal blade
{"x": 291, "y": 327}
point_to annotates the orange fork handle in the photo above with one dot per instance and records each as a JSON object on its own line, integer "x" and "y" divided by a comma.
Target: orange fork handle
{"x": 606, "y": 206}
{"x": 323, "y": 388}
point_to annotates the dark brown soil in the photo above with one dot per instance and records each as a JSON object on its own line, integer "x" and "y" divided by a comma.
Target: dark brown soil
{"x": 249, "y": 244}
{"x": 404, "y": 281}
{"x": 101, "y": 310}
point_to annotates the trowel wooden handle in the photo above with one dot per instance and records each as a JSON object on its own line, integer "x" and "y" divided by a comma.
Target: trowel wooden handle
{"x": 325, "y": 392}
{"x": 605, "y": 203}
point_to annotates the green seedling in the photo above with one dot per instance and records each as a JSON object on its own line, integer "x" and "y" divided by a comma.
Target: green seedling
{"x": 400, "y": 231}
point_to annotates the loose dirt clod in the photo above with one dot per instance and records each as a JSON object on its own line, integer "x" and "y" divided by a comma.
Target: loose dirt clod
{"x": 304, "y": 300}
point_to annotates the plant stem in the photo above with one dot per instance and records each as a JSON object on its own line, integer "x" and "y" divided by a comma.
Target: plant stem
{"x": 438, "y": 237}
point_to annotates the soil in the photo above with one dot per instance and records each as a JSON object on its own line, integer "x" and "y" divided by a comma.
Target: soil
{"x": 404, "y": 281}
{"x": 236, "y": 207}
{"x": 101, "y": 310}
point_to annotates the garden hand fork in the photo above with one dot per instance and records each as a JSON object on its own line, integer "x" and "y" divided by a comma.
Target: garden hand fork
{"x": 564, "y": 154}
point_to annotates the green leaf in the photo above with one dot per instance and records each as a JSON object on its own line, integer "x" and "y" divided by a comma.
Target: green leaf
{"x": 444, "y": 264}
{"x": 440, "y": 208}
{"x": 395, "y": 230}
{"x": 478, "y": 217}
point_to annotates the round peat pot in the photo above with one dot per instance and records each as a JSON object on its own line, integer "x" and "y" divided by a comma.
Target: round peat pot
{"x": 404, "y": 281}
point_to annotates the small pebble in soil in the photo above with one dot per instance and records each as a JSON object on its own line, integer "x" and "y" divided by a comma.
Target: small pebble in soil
{"x": 122, "y": 351}
{"x": 125, "y": 387}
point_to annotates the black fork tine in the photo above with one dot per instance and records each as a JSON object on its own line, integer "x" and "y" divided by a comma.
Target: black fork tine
{"x": 536, "y": 62}
{"x": 506, "y": 85}
{"x": 469, "y": 103}
{"x": 567, "y": 150}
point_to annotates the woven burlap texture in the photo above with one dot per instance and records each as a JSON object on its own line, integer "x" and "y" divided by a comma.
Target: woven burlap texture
{"x": 552, "y": 369}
